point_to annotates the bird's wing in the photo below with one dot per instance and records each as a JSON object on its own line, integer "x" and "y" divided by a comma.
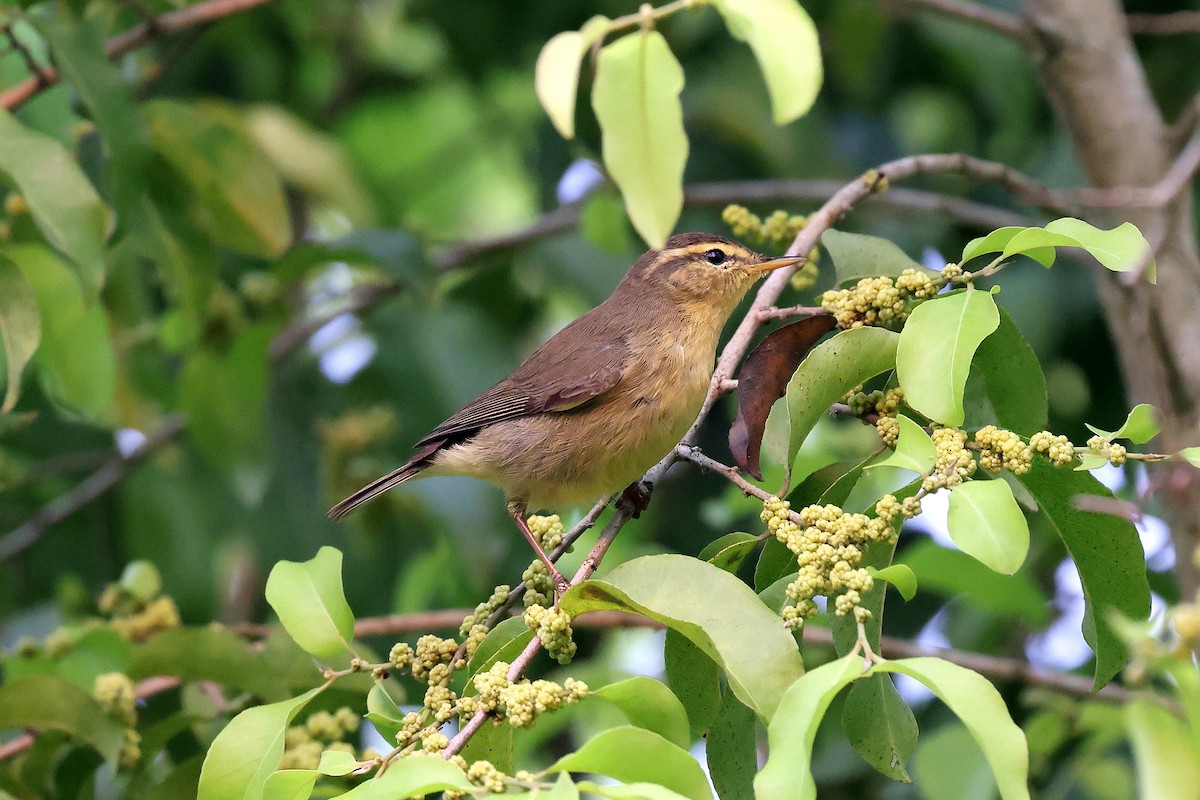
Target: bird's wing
{"x": 561, "y": 375}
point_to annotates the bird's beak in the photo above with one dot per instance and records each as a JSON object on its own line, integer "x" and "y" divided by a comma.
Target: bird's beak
{"x": 777, "y": 263}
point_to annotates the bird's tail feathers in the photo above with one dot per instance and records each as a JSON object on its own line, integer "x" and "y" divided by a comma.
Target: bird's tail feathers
{"x": 376, "y": 488}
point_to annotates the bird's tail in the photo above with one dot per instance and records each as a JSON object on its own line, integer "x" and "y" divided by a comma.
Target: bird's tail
{"x": 376, "y": 488}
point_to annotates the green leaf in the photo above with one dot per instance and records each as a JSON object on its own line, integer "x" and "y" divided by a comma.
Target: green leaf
{"x": 1121, "y": 249}
{"x": 65, "y": 206}
{"x": 310, "y": 603}
{"x": 1006, "y": 383}
{"x": 986, "y": 522}
{"x": 856, "y": 255}
{"x": 952, "y": 573}
{"x": 290, "y": 784}
{"x": 556, "y": 76}
{"x": 914, "y": 449}
{"x": 982, "y": 710}
{"x": 731, "y": 748}
{"x": 649, "y": 704}
{"x": 98, "y": 651}
{"x": 76, "y": 364}
{"x": 716, "y": 611}
{"x": 787, "y": 774}
{"x": 880, "y": 725}
{"x": 248, "y": 749}
{"x": 831, "y": 369}
{"x": 636, "y": 99}
{"x": 950, "y": 766}
{"x": 728, "y": 551}
{"x": 1107, "y": 552}
{"x": 935, "y": 351}
{"x": 900, "y": 576}
{"x": 383, "y": 711}
{"x": 784, "y": 40}
{"x": 44, "y": 702}
{"x": 224, "y": 396}
{"x": 564, "y": 789}
{"x": 694, "y": 678}
{"x": 1139, "y": 427}
{"x": 635, "y": 754}
{"x": 1191, "y": 455}
{"x": 630, "y": 791}
{"x": 997, "y": 241}
{"x": 412, "y": 776}
{"x": 1167, "y": 764}
{"x": 20, "y": 327}
{"x": 492, "y": 743}
{"x": 78, "y": 48}
{"x": 237, "y": 191}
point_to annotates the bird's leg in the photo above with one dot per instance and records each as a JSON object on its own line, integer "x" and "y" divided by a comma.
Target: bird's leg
{"x": 636, "y": 498}
{"x": 517, "y": 510}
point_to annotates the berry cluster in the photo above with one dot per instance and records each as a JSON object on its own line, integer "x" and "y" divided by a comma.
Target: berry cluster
{"x": 1002, "y": 449}
{"x": 522, "y": 702}
{"x": 304, "y": 743}
{"x": 113, "y": 691}
{"x": 827, "y": 543}
{"x": 553, "y": 627}
{"x": 1115, "y": 453}
{"x": 777, "y": 231}
{"x": 881, "y": 402}
{"x": 1058, "y": 449}
{"x": 884, "y": 301}
{"x": 954, "y": 462}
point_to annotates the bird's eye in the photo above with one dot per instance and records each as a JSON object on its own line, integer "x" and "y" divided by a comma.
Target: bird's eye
{"x": 715, "y": 256}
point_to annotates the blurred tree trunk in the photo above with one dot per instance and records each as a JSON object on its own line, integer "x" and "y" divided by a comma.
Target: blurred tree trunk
{"x": 1090, "y": 70}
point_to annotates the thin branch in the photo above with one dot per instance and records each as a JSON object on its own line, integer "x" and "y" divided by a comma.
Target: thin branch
{"x": 787, "y": 312}
{"x": 88, "y": 491}
{"x": 172, "y": 22}
{"x": 1008, "y": 25}
{"x": 1164, "y": 24}
{"x": 1174, "y": 181}
{"x": 560, "y": 220}
{"x": 361, "y": 299}
{"x": 732, "y": 474}
{"x": 39, "y": 72}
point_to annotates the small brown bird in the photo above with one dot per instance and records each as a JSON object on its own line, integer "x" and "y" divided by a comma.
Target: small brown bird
{"x": 606, "y": 397}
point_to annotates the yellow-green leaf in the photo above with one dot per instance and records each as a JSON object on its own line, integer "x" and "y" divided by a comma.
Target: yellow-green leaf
{"x": 308, "y": 598}
{"x": 784, "y": 40}
{"x": 20, "y": 326}
{"x": 636, "y": 99}
{"x": 556, "y": 76}
{"x": 986, "y": 522}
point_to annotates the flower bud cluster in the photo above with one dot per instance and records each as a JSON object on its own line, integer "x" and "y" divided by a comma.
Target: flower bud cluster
{"x": 888, "y": 429}
{"x": 553, "y": 626}
{"x": 1058, "y": 449}
{"x": 113, "y": 691}
{"x": 828, "y": 544}
{"x": 304, "y": 743}
{"x": 879, "y": 299}
{"x": 520, "y": 703}
{"x": 1002, "y": 449}
{"x": 881, "y": 402}
{"x": 954, "y": 462}
{"x": 779, "y": 229}
{"x": 547, "y": 530}
{"x": 1115, "y": 453}
{"x": 484, "y": 610}
{"x": 539, "y": 586}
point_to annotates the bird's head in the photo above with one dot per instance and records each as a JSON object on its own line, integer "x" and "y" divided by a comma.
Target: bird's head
{"x": 701, "y": 272}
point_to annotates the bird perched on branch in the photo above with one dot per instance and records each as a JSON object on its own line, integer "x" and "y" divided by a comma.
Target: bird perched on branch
{"x": 605, "y": 398}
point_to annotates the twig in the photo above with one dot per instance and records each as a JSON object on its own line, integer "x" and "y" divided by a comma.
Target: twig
{"x": 135, "y": 37}
{"x": 979, "y": 15}
{"x": 560, "y": 220}
{"x": 522, "y": 661}
{"x": 787, "y": 312}
{"x": 360, "y": 299}
{"x": 691, "y": 453}
{"x": 1174, "y": 181}
{"x": 89, "y": 490}
{"x": 40, "y": 76}
{"x": 1164, "y": 24}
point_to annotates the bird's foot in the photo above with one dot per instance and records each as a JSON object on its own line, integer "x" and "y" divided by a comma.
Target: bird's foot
{"x": 636, "y": 498}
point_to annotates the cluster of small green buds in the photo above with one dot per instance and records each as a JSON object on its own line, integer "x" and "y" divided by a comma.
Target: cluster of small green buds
{"x": 553, "y": 627}
{"x": 440, "y": 701}
{"x": 918, "y": 284}
{"x": 954, "y": 462}
{"x": 356, "y": 430}
{"x": 1115, "y": 453}
{"x": 431, "y": 651}
{"x": 547, "y": 530}
{"x": 434, "y": 742}
{"x": 888, "y": 429}
{"x": 1002, "y": 449}
{"x": 539, "y": 586}
{"x": 881, "y": 300}
{"x": 304, "y": 743}
{"x": 401, "y": 655}
{"x": 1057, "y": 449}
{"x": 779, "y": 228}
{"x": 827, "y": 543}
{"x": 484, "y": 610}
{"x": 881, "y": 402}
{"x": 804, "y": 277}
{"x": 136, "y": 620}
{"x": 952, "y": 273}
{"x": 520, "y": 703}
{"x": 115, "y": 693}
{"x": 484, "y": 775}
